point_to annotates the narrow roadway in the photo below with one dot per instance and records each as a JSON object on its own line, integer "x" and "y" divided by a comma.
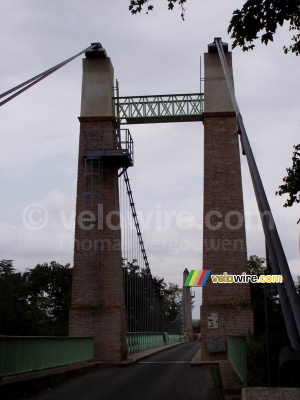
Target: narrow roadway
{"x": 163, "y": 376}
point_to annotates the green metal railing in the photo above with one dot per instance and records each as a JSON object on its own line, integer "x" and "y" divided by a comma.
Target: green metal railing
{"x": 237, "y": 355}
{"x": 157, "y": 109}
{"x": 140, "y": 341}
{"x": 20, "y": 354}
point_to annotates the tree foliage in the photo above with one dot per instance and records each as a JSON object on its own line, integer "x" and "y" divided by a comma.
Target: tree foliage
{"x": 142, "y": 291}
{"x": 297, "y": 285}
{"x": 136, "y": 6}
{"x": 255, "y": 17}
{"x": 49, "y": 296}
{"x": 6, "y": 267}
{"x": 263, "y": 17}
{"x": 291, "y": 184}
{"x": 172, "y": 302}
{"x": 35, "y": 302}
{"x": 14, "y": 309}
{"x": 170, "y": 296}
{"x": 256, "y": 267}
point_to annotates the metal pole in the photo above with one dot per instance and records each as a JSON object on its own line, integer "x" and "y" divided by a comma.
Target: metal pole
{"x": 200, "y": 74}
{"x": 118, "y": 116}
{"x": 277, "y": 256}
{"x": 268, "y": 270}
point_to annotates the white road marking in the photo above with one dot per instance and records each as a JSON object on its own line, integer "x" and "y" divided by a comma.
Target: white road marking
{"x": 163, "y": 362}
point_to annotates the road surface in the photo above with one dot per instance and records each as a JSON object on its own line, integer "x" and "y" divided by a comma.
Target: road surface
{"x": 163, "y": 376}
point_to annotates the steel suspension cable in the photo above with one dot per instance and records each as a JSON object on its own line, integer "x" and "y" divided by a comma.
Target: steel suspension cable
{"x": 33, "y": 81}
{"x": 145, "y": 311}
{"x": 134, "y": 214}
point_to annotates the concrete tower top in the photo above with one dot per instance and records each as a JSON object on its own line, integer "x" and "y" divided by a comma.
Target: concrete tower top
{"x": 217, "y": 97}
{"x": 97, "y": 85}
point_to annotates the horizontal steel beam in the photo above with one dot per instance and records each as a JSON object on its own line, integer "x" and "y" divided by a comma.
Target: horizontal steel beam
{"x": 159, "y": 108}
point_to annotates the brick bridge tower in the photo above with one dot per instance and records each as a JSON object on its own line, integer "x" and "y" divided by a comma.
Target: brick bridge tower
{"x": 98, "y": 308}
{"x": 187, "y": 325}
{"x": 225, "y": 307}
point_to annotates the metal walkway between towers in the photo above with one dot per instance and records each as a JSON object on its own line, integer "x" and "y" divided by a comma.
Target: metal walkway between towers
{"x": 159, "y": 108}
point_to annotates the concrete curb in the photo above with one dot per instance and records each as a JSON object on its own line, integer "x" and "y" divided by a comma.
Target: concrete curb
{"x": 135, "y": 357}
{"x": 252, "y": 393}
{"x": 197, "y": 360}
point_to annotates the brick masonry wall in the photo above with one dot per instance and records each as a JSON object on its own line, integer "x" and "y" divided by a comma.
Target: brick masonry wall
{"x": 224, "y": 238}
{"x": 98, "y": 307}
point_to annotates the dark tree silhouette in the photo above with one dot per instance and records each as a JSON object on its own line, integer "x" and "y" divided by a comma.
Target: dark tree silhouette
{"x": 256, "y": 17}
{"x": 291, "y": 184}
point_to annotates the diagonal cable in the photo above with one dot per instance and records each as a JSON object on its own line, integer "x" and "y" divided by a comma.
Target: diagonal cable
{"x": 31, "y": 82}
{"x": 290, "y": 301}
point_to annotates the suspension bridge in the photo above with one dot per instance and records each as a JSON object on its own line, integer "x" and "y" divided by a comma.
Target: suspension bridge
{"x": 115, "y": 301}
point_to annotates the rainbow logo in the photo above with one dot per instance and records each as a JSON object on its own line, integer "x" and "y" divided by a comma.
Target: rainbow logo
{"x": 197, "y": 277}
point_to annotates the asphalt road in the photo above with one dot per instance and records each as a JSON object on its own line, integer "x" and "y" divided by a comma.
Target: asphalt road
{"x": 163, "y": 376}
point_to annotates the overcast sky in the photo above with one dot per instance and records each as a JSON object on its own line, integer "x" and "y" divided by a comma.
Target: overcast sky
{"x": 156, "y": 53}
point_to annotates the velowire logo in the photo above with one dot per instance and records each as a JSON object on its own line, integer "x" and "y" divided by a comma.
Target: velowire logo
{"x": 197, "y": 277}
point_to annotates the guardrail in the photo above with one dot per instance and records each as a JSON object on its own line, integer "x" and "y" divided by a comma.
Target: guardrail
{"x": 236, "y": 348}
{"x": 21, "y": 354}
{"x": 140, "y": 341}
{"x": 105, "y": 143}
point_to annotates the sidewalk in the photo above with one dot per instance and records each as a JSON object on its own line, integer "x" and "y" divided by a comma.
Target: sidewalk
{"x": 231, "y": 383}
{"x": 143, "y": 354}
